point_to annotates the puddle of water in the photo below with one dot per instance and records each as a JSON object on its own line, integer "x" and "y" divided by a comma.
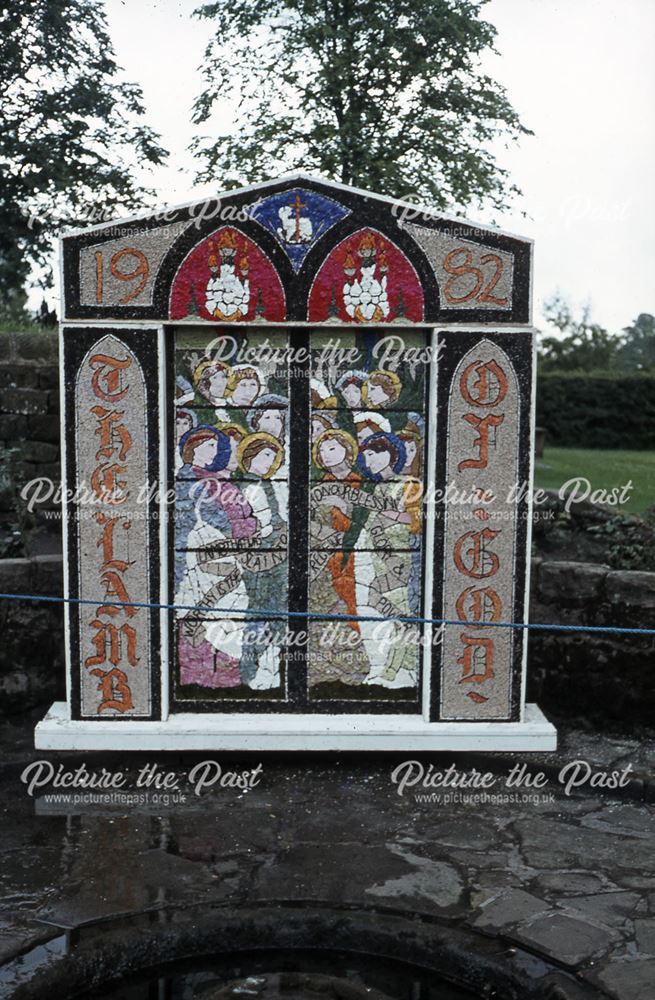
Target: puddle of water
{"x": 288, "y": 976}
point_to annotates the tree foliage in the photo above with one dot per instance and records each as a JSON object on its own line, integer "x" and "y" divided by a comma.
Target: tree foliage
{"x": 386, "y": 94}
{"x": 582, "y": 344}
{"x": 70, "y": 133}
{"x": 585, "y": 346}
{"x": 637, "y": 351}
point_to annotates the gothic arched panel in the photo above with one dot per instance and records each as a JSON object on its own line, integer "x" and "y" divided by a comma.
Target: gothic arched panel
{"x": 227, "y": 278}
{"x": 366, "y": 279}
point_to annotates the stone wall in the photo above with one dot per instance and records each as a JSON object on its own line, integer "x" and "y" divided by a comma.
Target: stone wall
{"x": 29, "y": 423}
{"x": 606, "y": 680}
{"x": 32, "y": 647}
{"x": 32, "y": 668}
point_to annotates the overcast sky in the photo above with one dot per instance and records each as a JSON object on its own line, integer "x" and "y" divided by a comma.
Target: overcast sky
{"x": 582, "y": 76}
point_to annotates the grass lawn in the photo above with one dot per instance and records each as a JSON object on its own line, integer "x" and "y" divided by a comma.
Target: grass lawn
{"x": 605, "y": 470}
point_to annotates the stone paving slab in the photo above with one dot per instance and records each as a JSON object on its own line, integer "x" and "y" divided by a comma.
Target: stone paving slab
{"x": 569, "y": 880}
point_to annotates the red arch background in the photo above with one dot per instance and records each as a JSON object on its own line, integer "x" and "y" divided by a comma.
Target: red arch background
{"x": 193, "y": 274}
{"x": 401, "y": 278}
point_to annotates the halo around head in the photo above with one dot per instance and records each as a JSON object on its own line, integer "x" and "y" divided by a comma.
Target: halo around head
{"x": 183, "y": 412}
{"x": 238, "y": 373}
{"x": 252, "y": 444}
{"x": 233, "y": 430}
{"x": 354, "y": 374}
{"x": 336, "y": 434}
{"x": 363, "y": 417}
{"x": 207, "y": 367}
{"x": 183, "y": 391}
{"x": 388, "y": 379}
{"x": 269, "y": 401}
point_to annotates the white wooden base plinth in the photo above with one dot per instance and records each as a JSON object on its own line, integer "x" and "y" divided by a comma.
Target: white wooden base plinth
{"x": 219, "y": 731}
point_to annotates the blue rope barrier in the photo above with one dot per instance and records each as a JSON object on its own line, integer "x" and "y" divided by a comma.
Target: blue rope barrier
{"x": 321, "y": 616}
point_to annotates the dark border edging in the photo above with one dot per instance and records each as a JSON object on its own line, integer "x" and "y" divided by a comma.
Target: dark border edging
{"x": 106, "y": 952}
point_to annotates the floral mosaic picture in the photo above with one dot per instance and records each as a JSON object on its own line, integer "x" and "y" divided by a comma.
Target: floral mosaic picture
{"x": 313, "y": 355}
{"x": 231, "y": 513}
{"x": 366, "y": 279}
{"x": 358, "y": 488}
{"x": 368, "y": 435}
{"x": 227, "y": 278}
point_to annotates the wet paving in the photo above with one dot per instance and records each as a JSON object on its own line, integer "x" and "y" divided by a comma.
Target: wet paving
{"x": 565, "y": 883}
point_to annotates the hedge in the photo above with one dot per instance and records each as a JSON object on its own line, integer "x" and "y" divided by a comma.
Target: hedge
{"x": 597, "y": 409}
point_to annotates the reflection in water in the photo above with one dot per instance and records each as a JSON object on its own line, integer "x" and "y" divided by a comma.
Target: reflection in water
{"x": 289, "y": 976}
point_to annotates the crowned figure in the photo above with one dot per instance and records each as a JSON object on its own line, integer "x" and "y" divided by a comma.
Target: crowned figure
{"x": 228, "y": 289}
{"x": 365, "y": 288}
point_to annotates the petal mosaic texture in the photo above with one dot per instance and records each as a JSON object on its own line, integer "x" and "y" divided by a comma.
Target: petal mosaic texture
{"x": 297, "y": 250}
{"x": 227, "y": 278}
{"x": 478, "y": 573}
{"x": 112, "y": 430}
{"x": 231, "y": 462}
{"x": 366, "y": 279}
{"x": 298, "y": 219}
{"x": 324, "y": 399}
{"x": 365, "y": 509}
